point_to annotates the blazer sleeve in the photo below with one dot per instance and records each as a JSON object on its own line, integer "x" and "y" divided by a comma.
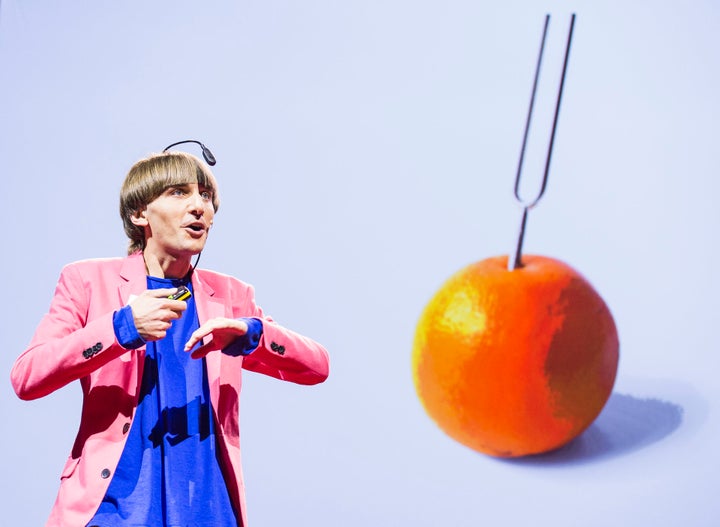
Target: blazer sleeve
{"x": 284, "y": 354}
{"x": 66, "y": 345}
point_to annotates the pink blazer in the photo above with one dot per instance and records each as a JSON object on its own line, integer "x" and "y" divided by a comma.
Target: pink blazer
{"x": 76, "y": 340}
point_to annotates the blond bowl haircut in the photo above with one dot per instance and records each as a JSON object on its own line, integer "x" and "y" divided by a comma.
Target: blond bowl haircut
{"x": 149, "y": 177}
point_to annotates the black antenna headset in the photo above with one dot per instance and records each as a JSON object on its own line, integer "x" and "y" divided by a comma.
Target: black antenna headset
{"x": 207, "y": 154}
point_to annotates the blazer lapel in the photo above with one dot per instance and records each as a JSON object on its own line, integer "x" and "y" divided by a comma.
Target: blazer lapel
{"x": 209, "y": 305}
{"x": 134, "y": 278}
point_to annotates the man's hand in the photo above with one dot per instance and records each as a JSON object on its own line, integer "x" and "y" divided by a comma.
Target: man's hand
{"x": 153, "y": 312}
{"x": 223, "y": 331}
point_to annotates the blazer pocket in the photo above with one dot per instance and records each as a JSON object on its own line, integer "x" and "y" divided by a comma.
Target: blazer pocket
{"x": 70, "y": 466}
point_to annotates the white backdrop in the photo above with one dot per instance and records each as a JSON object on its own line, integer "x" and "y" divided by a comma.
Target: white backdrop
{"x": 366, "y": 151}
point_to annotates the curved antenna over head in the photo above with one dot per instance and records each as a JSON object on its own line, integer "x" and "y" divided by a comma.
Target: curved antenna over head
{"x": 207, "y": 154}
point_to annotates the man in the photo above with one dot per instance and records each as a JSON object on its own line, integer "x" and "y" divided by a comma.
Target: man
{"x": 158, "y": 443}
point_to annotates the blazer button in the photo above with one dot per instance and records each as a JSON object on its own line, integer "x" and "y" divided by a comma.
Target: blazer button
{"x": 105, "y": 474}
{"x": 126, "y": 428}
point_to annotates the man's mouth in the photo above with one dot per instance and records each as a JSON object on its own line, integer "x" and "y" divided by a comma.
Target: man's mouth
{"x": 197, "y": 227}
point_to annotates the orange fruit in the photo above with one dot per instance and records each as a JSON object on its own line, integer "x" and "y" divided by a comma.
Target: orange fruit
{"x": 512, "y": 363}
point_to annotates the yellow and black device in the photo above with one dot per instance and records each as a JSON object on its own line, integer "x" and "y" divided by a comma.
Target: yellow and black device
{"x": 183, "y": 293}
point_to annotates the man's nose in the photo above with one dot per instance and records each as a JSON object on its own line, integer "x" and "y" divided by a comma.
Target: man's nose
{"x": 197, "y": 204}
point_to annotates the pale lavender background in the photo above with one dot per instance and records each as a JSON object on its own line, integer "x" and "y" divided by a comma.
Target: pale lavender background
{"x": 366, "y": 151}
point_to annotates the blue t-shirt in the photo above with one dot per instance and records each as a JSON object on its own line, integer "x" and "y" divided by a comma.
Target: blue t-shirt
{"x": 169, "y": 474}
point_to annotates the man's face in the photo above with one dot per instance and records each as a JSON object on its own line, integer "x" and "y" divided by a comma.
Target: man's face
{"x": 176, "y": 223}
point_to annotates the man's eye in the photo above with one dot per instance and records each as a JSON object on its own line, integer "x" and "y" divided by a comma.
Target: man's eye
{"x": 177, "y": 192}
{"x": 206, "y": 195}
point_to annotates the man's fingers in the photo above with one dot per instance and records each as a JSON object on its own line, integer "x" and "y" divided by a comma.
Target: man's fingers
{"x": 177, "y": 306}
{"x": 223, "y": 331}
{"x": 203, "y": 331}
{"x": 197, "y": 336}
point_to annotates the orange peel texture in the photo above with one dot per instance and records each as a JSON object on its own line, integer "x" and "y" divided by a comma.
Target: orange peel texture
{"x": 513, "y": 363}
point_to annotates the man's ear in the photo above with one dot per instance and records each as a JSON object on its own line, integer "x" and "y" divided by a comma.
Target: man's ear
{"x": 138, "y": 218}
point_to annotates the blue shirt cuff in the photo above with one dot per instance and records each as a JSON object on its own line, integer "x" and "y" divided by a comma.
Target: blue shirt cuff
{"x": 125, "y": 331}
{"x": 247, "y": 343}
